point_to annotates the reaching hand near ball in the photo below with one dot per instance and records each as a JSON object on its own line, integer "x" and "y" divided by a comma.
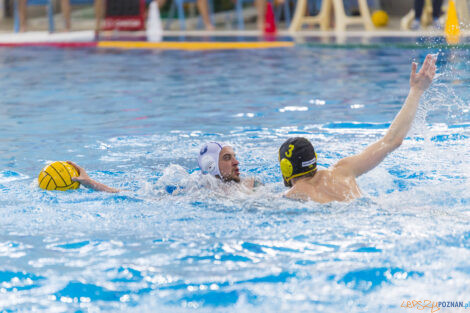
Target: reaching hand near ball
{"x": 82, "y": 177}
{"x": 86, "y": 181}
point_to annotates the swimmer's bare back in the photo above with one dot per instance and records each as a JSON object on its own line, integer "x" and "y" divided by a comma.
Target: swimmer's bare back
{"x": 326, "y": 186}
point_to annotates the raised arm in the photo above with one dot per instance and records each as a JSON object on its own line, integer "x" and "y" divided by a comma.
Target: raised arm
{"x": 374, "y": 154}
{"x": 86, "y": 181}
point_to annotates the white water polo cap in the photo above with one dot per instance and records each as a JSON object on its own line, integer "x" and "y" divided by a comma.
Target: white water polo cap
{"x": 208, "y": 158}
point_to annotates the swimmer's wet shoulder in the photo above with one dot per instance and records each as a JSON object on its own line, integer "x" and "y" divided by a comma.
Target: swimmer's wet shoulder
{"x": 251, "y": 182}
{"x": 325, "y": 186}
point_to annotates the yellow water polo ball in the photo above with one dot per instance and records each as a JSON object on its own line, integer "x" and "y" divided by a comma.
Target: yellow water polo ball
{"x": 380, "y": 18}
{"x": 286, "y": 168}
{"x": 58, "y": 176}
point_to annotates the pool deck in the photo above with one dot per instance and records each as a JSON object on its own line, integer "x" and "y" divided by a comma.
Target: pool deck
{"x": 82, "y": 33}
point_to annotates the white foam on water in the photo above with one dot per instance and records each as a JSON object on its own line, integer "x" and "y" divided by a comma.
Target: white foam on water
{"x": 8, "y": 176}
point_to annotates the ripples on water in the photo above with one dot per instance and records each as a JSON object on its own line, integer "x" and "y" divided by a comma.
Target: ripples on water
{"x": 136, "y": 121}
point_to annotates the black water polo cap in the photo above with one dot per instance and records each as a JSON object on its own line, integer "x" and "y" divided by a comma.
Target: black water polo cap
{"x": 297, "y": 158}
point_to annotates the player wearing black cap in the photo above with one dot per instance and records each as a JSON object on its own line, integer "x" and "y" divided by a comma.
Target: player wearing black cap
{"x": 298, "y": 159}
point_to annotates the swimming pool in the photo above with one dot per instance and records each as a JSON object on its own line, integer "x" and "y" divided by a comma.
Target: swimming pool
{"x": 136, "y": 119}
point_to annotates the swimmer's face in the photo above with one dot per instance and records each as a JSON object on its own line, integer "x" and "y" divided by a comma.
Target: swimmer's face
{"x": 228, "y": 165}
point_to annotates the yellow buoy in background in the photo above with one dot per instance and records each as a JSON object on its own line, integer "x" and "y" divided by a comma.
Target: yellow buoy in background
{"x": 380, "y": 18}
{"x": 452, "y": 29}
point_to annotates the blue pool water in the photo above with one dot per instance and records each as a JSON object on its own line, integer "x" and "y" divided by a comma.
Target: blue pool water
{"x": 136, "y": 119}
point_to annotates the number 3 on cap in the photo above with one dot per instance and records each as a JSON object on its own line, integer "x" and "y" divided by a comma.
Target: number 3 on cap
{"x": 289, "y": 153}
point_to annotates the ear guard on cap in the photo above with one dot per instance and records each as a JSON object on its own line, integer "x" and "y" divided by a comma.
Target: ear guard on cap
{"x": 208, "y": 165}
{"x": 286, "y": 169}
{"x": 208, "y": 158}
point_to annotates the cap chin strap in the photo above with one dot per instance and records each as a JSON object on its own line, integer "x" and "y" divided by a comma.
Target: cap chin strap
{"x": 299, "y": 174}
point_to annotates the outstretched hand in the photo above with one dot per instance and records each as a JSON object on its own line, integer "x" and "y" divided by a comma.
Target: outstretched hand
{"x": 86, "y": 181}
{"x": 82, "y": 177}
{"x": 424, "y": 77}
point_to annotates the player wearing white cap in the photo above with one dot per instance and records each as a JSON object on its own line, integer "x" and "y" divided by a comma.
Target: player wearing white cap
{"x": 219, "y": 160}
